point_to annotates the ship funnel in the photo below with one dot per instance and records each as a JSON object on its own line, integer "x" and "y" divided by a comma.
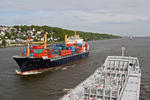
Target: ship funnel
{"x": 75, "y": 35}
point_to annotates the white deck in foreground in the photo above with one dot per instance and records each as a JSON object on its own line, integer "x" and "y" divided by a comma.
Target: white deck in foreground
{"x": 132, "y": 89}
{"x": 118, "y": 79}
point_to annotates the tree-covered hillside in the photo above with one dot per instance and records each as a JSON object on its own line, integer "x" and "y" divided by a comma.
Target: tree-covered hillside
{"x": 18, "y": 34}
{"x": 59, "y": 33}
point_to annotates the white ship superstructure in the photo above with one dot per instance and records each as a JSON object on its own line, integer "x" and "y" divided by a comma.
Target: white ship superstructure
{"x": 117, "y": 79}
{"x": 75, "y": 39}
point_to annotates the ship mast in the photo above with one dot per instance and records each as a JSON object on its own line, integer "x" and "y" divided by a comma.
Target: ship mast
{"x": 28, "y": 52}
{"x": 45, "y": 41}
{"x": 123, "y": 50}
{"x": 65, "y": 40}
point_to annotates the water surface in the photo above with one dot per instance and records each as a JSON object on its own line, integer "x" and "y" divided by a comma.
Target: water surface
{"x": 51, "y": 85}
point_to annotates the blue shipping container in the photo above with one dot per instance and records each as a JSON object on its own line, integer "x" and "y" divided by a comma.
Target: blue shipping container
{"x": 79, "y": 44}
{"x": 57, "y": 53}
{"x": 31, "y": 47}
{"x": 25, "y": 50}
{"x": 31, "y": 54}
{"x": 72, "y": 47}
{"x": 60, "y": 45}
{"x": 73, "y": 52}
{"x": 25, "y": 54}
{"x": 77, "y": 49}
{"x": 56, "y": 48}
{"x": 34, "y": 50}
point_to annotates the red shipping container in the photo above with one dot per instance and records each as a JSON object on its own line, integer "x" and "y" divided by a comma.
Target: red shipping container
{"x": 39, "y": 55}
{"x": 38, "y": 47}
{"x": 50, "y": 53}
{"x": 52, "y": 50}
{"x": 22, "y": 53}
{"x": 31, "y": 50}
{"x": 35, "y": 54}
{"x": 85, "y": 45}
{"x": 69, "y": 52}
{"x": 69, "y": 44}
{"x": 80, "y": 48}
{"x": 59, "y": 50}
{"x": 45, "y": 52}
{"x": 86, "y": 48}
{"x": 63, "y": 53}
{"x": 51, "y": 56}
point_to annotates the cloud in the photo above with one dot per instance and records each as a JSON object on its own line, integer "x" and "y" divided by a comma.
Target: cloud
{"x": 113, "y": 16}
{"x": 108, "y": 17}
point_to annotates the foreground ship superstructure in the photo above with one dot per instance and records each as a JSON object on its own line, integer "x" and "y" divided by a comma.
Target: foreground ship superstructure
{"x": 118, "y": 79}
{"x": 38, "y": 58}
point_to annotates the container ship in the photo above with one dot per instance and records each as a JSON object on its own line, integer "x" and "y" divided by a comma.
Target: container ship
{"x": 38, "y": 58}
{"x": 118, "y": 78}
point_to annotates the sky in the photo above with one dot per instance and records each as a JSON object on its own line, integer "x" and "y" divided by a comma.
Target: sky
{"x": 118, "y": 17}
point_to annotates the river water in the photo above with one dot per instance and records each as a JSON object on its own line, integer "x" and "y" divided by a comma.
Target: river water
{"x": 52, "y": 84}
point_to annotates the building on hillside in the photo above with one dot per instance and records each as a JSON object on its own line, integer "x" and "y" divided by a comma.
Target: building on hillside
{"x": 2, "y": 33}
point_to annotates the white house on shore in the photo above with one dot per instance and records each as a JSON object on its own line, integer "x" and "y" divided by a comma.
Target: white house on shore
{"x": 2, "y": 33}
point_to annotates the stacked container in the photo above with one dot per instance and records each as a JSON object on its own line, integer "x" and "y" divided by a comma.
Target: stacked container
{"x": 73, "y": 49}
{"x": 59, "y": 49}
{"x": 25, "y": 52}
{"x": 63, "y": 53}
{"x": 86, "y": 46}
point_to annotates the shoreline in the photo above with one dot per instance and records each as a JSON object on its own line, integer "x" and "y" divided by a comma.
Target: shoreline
{"x": 21, "y": 45}
{"x": 50, "y": 44}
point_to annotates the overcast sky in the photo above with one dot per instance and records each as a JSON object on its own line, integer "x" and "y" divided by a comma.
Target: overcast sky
{"x": 119, "y": 17}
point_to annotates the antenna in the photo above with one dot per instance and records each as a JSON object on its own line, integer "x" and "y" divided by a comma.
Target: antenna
{"x": 123, "y": 50}
{"x": 75, "y": 34}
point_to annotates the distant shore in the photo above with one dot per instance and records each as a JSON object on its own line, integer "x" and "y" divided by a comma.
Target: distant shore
{"x": 49, "y": 44}
{"x": 22, "y": 45}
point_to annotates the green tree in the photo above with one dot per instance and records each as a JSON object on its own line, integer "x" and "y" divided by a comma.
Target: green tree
{"x": 59, "y": 33}
{"x": 8, "y": 35}
{"x": 4, "y": 42}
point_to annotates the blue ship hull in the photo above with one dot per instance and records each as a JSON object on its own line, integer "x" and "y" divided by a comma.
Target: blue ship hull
{"x": 27, "y": 64}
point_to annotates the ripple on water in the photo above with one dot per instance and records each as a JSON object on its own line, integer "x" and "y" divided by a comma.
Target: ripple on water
{"x": 55, "y": 83}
